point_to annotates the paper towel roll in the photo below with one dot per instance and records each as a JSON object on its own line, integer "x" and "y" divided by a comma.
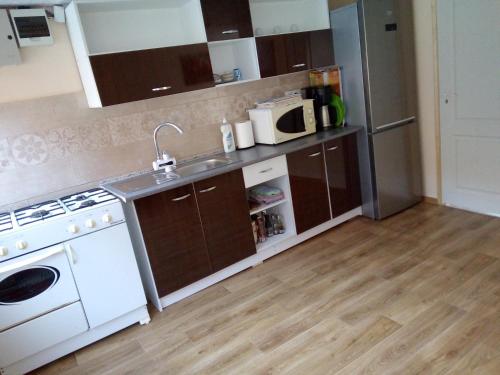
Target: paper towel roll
{"x": 244, "y": 134}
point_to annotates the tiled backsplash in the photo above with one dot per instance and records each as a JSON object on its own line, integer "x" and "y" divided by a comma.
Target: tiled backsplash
{"x": 50, "y": 145}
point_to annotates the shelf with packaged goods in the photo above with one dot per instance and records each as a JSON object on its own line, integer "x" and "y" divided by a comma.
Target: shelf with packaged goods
{"x": 265, "y": 207}
{"x": 228, "y": 55}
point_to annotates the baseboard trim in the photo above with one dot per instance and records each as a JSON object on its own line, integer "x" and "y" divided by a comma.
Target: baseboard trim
{"x": 431, "y": 200}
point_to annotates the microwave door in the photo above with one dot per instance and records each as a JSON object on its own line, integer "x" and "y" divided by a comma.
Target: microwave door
{"x": 292, "y": 122}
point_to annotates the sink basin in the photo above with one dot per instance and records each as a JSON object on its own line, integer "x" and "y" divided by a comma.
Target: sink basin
{"x": 202, "y": 166}
{"x": 151, "y": 180}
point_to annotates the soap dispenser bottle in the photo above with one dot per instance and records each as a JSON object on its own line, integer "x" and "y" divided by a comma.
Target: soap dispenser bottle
{"x": 227, "y": 137}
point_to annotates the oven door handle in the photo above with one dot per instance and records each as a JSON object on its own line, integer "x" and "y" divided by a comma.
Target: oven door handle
{"x": 33, "y": 259}
{"x": 71, "y": 254}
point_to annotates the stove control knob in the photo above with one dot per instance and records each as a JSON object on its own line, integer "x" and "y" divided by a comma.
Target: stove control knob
{"x": 90, "y": 223}
{"x": 21, "y": 245}
{"x": 3, "y": 251}
{"x": 107, "y": 218}
{"x": 73, "y": 229}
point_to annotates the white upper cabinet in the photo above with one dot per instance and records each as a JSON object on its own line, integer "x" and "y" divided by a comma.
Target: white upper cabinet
{"x": 129, "y": 25}
{"x": 271, "y": 17}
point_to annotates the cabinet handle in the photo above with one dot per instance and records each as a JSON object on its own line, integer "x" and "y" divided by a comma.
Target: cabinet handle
{"x": 266, "y": 170}
{"x": 208, "y": 190}
{"x": 163, "y": 88}
{"x": 315, "y": 154}
{"x": 333, "y": 148}
{"x": 298, "y": 65}
{"x": 181, "y": 198}
{"x": 230, "y": 32}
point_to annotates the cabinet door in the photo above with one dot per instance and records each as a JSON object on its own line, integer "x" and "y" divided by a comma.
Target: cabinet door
{"x": 227, "y": 19}
{"x": 174, "y": 240}
{"x": 321, "y": 46}
{"x": 106, "y": 273}
{"x": 226, "y": 221}
{"x": 306, "y": 169}
{"x": 343, "y": 174}
{"x": 272, "y": 55}
{"x": 137, "y": 75}
{"x": 298, "y": 52}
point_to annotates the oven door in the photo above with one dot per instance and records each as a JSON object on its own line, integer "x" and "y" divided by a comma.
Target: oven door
{"x": 35, "y": 284}
{"x": 291, "y": 121}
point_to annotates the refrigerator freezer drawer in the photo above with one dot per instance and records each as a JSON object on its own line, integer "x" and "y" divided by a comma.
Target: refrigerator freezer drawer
{"x": 397, "y": 167}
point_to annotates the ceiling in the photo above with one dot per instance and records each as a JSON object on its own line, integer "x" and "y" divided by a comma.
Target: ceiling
{"x": 14, "y": 3}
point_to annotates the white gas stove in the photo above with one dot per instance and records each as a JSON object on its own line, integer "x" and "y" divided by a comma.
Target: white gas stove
{"x": 44, "y": 224}
{"x": 68, "y": 277}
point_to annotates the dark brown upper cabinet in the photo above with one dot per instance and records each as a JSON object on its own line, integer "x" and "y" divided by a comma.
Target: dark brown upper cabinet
{"x": 226, "y": 221}
{"x": 137, "y": 75}
{"x": 174, "y": 239}
{"x": 227, "y": 19}
{"x": 288, "y": 53}
{"x": 309, "y": 187}
{"x": 342, "y": 166}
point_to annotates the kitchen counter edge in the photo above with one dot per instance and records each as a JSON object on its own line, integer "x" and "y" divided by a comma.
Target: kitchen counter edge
{"x": 243, "y": 158}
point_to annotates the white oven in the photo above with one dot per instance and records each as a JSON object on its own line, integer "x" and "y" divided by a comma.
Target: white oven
{"x": 35, "y": 284}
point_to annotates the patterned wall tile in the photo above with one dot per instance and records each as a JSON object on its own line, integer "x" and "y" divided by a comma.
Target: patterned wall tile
{"x": 30, "y": 149}
{"x": 94, "y": 136}
{"x": 6, "y": 161}
{"x": 63, "y": 142}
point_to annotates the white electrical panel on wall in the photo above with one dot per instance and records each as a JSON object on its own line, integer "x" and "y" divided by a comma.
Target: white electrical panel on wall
{"x": 9, "y": 53}
{"x": 32, "y": 27}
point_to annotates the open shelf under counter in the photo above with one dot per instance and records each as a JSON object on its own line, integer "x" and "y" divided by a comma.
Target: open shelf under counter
{"x": 121, "y": 26}
{"x": 267, "y": 206}
{"x": 294, "y": 16}
{"x": 233, "y": 54}
{"x": 272, "y": 241}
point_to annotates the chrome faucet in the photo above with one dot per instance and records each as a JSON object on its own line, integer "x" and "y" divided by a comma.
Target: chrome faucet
{"x": 163, "y": 159}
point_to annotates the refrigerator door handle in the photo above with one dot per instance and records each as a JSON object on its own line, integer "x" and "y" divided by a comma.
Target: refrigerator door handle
{"x": 395, "y": 124}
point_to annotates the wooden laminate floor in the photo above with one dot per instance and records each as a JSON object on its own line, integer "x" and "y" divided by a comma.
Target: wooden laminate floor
{"x": 418, "y": 293}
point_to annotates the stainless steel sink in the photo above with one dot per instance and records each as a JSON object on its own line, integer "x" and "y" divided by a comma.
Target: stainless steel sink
{"x": 150, "y": 181}
{"x": 195, "y": 167}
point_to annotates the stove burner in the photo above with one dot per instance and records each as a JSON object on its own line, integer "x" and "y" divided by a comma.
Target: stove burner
{"x": 88, "y": 198}
{"x": 88, "y": 203}
{"x": 39, "y": 214}
{"x": 5, "y": 222}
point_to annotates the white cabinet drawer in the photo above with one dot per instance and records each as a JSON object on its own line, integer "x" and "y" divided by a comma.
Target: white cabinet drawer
{"x": 41, "y": 333}
{"x": 264, "y": 171}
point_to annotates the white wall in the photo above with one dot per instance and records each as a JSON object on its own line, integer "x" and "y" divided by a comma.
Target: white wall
{"x": 425, "y": 38}
{"x": 45, "y": 70}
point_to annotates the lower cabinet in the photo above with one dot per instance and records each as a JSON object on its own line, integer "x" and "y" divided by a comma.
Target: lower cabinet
{"x": 342, "y": 166}
{"x": 306, "y": 170}
{"x": 195, "y": 230}
{"x": 173, "y": 235}
{"x": 225, "y": 217}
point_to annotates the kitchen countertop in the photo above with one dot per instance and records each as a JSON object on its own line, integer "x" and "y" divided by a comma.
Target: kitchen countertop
{"x": 138, "y": 186}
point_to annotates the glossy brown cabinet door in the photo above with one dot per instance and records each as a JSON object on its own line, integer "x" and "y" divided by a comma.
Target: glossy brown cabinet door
{"x": 288, "y": 53}
{"x": 226, "y": 221}
{"x": 343, "y": 174}
{"x": 321, "y": 46}
{"x": 174, "y": 240}
{"x": 306, "y": 169}
{"x": 137, "y": 75}
{"x": 227, "y": 19}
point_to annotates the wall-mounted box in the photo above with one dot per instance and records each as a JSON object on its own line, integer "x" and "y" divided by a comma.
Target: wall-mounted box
{"x": 32, "y": 27}
{"x": 9, "y": 53}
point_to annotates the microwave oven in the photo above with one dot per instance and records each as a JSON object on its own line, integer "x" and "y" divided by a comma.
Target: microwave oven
{"x": 283, "y": 122}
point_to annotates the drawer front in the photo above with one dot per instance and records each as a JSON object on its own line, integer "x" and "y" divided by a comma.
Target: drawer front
{"x": 264, "y": 171}
{"x": 41, "y": 333}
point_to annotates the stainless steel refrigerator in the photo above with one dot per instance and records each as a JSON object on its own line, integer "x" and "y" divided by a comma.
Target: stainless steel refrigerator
{"x": 374, "y": 46}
